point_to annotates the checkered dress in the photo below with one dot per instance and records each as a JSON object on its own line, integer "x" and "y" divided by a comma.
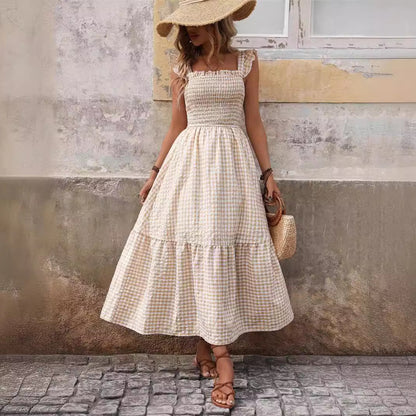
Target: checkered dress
{"x": 200, "y": 259}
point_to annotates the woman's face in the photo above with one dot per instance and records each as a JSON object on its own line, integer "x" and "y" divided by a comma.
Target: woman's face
{"x": 198, "y": 34}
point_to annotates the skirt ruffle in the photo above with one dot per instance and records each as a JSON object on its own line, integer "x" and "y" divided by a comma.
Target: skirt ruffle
{"x": 161, "y": 287}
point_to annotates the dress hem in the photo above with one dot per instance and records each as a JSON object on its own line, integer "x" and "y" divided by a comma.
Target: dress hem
{"x": 289, "y": 319}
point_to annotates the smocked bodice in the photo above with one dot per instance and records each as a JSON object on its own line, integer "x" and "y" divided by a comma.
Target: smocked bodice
{"x": 217, "y": 97}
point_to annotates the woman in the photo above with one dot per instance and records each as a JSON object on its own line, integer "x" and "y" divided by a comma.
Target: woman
{"x": 200, "y": 259}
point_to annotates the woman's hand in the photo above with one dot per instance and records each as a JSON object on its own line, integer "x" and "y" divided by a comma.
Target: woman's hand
{"x": 272, "y": 187}
{"x": 145, "y": 189}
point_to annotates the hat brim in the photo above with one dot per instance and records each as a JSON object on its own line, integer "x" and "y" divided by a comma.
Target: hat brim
{"x": 204, "y": 13}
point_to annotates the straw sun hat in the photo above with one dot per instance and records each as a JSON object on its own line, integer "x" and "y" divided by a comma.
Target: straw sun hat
{"x": 204, "y": 12}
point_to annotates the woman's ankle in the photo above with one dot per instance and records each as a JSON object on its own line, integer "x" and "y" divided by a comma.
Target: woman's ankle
{"x": 219, "y": 350}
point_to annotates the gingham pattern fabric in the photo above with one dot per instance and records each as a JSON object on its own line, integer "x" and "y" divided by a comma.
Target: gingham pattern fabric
{"x": 200, "y": 259}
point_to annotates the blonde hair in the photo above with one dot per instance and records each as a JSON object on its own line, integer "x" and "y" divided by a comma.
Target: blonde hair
{"x": 220, "y": 40}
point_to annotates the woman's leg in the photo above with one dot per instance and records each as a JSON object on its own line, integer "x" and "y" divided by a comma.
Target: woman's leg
{"x": 203, "y": 353}
{"x": 224, "y": 364}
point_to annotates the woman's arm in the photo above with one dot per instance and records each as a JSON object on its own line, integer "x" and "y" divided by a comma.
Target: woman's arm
{"x": 177, "y": 124}
{"x": 254, "y": 124}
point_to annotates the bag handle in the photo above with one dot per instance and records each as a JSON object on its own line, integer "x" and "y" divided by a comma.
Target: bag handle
{"x": 272, "y": 218}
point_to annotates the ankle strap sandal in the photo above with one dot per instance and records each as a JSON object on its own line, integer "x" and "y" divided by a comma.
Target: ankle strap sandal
{"x": 217, "y": 386}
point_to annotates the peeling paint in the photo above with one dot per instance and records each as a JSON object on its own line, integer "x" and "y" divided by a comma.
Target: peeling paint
{"x": 368, "y": 70}
{"x": 337, "y": 80}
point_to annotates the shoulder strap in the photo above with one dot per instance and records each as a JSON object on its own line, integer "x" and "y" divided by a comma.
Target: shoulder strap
{"x": 247, "y": 61}
{"x": 175, "y": 69}
{"x": 240, "y": 60}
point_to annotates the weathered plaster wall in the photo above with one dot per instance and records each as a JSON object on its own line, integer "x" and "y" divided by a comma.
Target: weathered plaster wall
{"x": 76, "y": 103}
{"x": 28, "y": 64}
{"x": 76, "y": 99}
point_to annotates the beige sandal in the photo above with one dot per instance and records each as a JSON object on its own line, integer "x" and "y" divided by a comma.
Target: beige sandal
{"x": 219, "y": 385}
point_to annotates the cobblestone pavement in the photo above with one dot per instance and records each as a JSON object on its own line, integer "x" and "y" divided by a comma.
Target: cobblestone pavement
{"x": 147, "y": 384}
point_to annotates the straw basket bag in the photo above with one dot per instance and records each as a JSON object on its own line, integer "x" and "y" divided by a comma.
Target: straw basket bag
{"x": 282, "y": 227}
